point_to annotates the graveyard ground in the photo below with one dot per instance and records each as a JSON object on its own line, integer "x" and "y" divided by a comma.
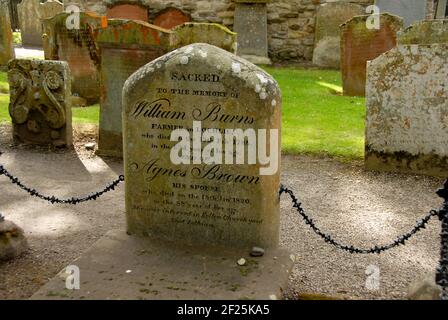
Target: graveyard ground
{"x": 357, "y": 207}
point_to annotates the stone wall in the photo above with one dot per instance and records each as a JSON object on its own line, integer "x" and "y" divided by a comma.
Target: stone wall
{"x": 290, "y": 22}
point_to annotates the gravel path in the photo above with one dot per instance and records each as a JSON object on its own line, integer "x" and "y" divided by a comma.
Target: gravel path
{"x": 357, "y": 207}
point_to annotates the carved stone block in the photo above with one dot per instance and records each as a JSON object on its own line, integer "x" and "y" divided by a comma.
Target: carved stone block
{"x": 40, "y": 101}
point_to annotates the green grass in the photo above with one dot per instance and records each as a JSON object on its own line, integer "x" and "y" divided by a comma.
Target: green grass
{"x": 316, "y": 118}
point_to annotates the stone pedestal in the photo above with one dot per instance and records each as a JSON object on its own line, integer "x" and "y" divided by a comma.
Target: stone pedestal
{"x": 123, "y": 267}
{"x": 251, "y": 25}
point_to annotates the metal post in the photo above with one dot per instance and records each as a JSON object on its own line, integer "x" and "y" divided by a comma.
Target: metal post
{"x": 442, "y": 269}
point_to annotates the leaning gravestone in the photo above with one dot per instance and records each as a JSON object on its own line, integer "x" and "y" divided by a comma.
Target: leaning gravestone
{"x": 410, "y": 10}
{"x": 78, "y": 48}
{"x": 407, "y": 110}
{"x": 227, "y": 205}
{"x": 30, "y": 25}
{"x": 49, "y": 9}
{"x": 40, "y": 102}
{"x": 251, "y": 25}
{"x": 360, "y": 44}
{"x": 425, "y": 32}
{"x": 203, "y": 217}
{"x": 211, "y": 33}
{"x": 125, "y": 46}
{"x": 329, "y": 17}
{"x": 6, "y": 45}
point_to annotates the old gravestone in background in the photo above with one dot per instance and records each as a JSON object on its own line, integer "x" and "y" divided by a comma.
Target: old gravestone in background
{"x": 30, "y": 25}
{"x": 251, "y": 25}
{"x": 410, "y": 10}
{"x": 39, "y": 104}
{"x": 127, "y": 11}
{"x": 407, "y": 110}
{"x": 211, "y": 33}
{"x": 126, "y": 46}
{"x": 49, "y": 9}
{"x": 223, "y": 205}
{"x": 79, "y": 49}
{"x": 6, "y": 45}
{"x": 360, "y": 44}
{"x": 170, "y": 18}
{"x": 329, "y": 17}
{"x": 425, "y": 32}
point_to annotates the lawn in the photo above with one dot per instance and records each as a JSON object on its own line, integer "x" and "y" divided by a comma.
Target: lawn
{"x": 316, "y": 118}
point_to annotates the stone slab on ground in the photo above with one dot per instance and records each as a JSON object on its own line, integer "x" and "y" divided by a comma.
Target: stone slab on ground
{"x": 119, "y": 266}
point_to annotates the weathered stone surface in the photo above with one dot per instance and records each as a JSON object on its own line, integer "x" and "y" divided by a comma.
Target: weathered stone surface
{"x": 79, "y": 49}
{"x": 128, "y": 11}
{"x": 171, "y": 18}
{"x": 407, "y": 110}
{"x": 12, "y": 240}
{"x": 30, "y": 25}
{"x": 6, "y": 45}
{"x": 442, "y": 9}
{"x": 425, "y": 289}
{"x": 213, "y": 204}
{"x": 211, "y": 33}
{"x": 360, "y": 44}
{"x": 410, "y": 10}
{"x": 123, "y": 267}
{"x": 49, "y": 9}
{"x": 251, "y": 25}
{"x": 40, "y": 101}
{"x": 330, "y": 16}
{"x": 425, "y": 32}
{"x": 126, "y": 46}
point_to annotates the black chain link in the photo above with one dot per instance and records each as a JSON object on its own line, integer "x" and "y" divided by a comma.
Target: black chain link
{"x": 74, "y": 200}
{"x": 421, "y": 224}
{"x": 442, "y": 269}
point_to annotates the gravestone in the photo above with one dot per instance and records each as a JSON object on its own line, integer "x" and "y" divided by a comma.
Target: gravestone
{"x": 205, "y": 218}
{"x": 40, "y": 102}
{"x": 199, "y": 204}
{"x": 442, "y": 9}
{"x": 78, "y": 48}
{"x": 360, "y": 44}
{"x": 30, "y": 25}
{"x": 171, "y": 18}
{"x": 125, "y": 46}
{"x": 6, "y": 45}
{"x": 49, "y": 9}
{"x": 329, "y": 17}
{"x": 251, "y": 25}
{"x": 211, "y": 33}
{"x": 410, "y": 10}
{"x": 128, "y": 11}
{"x": 407, "y": 110}
{"x": 425, "y": 32}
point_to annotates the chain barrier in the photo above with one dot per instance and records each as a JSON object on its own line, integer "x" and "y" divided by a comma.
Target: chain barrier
{"x": 442, "y": 214}
{"x": 73, "y": 201}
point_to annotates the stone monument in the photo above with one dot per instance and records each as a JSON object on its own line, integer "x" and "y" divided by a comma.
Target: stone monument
{"x": 49, "y": 9}
{"x": 126, "y": 46}
{"x": 425, "y": 32}
{"x": 30, "y": 25}
{"x": 76, "y": 46}
{"x": 251, "y": 25}
{"x": 327, "y": 43}
{"x": 360, "y": 44}
{"x": 201, "y": 230}
{"x": 407, "y": 110}
{"x": 40, "y": 102}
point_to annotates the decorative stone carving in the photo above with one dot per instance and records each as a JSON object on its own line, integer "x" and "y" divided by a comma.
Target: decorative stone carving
{"x": 40, "y": 101}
